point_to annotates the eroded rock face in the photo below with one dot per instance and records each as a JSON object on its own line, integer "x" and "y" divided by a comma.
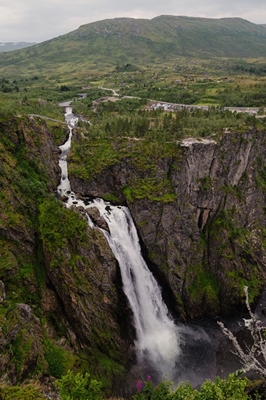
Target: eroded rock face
{"x": 77, "y": 295}
{"x": 207, "y": 243}
{"x": 86, "y": 278}
{"x": 21, "y": 332}
{"x": 2, "y": 292}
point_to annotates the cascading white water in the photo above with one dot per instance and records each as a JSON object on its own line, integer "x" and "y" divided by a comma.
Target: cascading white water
{"x": 157, "y": 342}
{"x": 64, "y": 188}
{"x": 157, "y": 336}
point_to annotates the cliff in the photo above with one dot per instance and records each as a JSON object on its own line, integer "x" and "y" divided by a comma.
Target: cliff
{"x": 61, "y": 302}
{"x": 199, "y": 206}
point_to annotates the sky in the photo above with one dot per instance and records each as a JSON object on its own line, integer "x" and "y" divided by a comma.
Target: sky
{"x": 40, "y": 20}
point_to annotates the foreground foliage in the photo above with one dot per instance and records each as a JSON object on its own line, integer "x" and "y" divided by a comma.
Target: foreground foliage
{"x": 27, "y": 392}
{"x": 232, "y": 388}
{"x": 79, "y": 387}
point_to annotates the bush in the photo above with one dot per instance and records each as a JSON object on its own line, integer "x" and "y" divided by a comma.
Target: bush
{"x": 79, "y": 387}
{"x": 27, "y": 392}
{"x": 232, "y": 388}
{"x": 56, "y": 360}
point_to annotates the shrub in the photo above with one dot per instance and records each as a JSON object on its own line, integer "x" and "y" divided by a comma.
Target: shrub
{"x": 232, "y": 388}
{"x": 56, "y": 359}
{"x": 79, "y": 387}
{"x": 27, "y": 392}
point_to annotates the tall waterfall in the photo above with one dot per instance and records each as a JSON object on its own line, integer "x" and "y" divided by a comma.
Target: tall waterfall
{"x": 157, "y": 339}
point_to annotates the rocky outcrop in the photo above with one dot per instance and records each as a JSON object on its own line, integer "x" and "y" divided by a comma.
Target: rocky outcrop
{"x": 21, "y": 333}
{"x": 86, "y": 278}
{"x": 94, "y": 214}
{"x": 206, "y": 238}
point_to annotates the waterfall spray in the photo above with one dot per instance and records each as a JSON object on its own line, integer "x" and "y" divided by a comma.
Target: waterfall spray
{"x": 157, "y": 340}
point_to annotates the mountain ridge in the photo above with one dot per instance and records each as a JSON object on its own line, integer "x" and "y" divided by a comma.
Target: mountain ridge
{"x": 111, "y": 42}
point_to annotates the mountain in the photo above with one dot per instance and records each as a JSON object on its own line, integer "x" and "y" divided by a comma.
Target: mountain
{"x": 108, "y": 43}
{"x": 10, "y": 46}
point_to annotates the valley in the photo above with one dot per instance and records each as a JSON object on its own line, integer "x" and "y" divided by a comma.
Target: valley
{"x": 173, "y": 132}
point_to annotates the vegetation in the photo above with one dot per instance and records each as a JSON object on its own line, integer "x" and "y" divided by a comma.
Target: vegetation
{"x": 232, "y": 388}
{"x": 25, "y": 392}
{"x": 125, "y": 126}
{"x": 79, "y": 387}
{"x": 164, "y": 37}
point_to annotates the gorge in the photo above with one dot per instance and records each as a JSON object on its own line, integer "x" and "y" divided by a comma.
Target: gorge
{"x": 201, "y": 228}
{"x": 158, "y": 340}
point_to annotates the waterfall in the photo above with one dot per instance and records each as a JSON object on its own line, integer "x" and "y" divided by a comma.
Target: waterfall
{"x": 157, "y": 339}
{"x": 64, "y": 188}
{"x": 157, "y": 342}
{"x": 160, "y": 344}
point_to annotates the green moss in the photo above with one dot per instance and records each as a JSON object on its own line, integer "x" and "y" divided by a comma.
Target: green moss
{"x": 59, "y": 131}
{"x": 21, "y": 348}
{"x": 204, "y": 285}
{"x": 128, "y": 194}
{"x": 237, "y": 282}
{"x": 107, "y": 368}
{"x": 205, "y": 183}
{"x": 150, "y": 188}
{"x": 59, "y": 225}
{"x": 56, "y": 358}
{"x": 111, "y": 197}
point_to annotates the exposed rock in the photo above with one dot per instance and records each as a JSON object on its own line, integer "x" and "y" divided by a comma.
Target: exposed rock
{"x": 94, "y": 214}
{"x": 2, "y": 292}
{"x": 25, "y": 313}
{"x": 64, "y": 198}
{"x": 20, "y": 330}
{"x": 208, "y": 242}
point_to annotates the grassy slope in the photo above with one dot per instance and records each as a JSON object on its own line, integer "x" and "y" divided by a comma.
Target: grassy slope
{"x": 125, "y": 40}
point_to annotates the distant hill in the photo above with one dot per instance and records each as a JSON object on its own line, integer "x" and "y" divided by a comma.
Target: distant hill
{"x": 10, "y": 46}
{"x": 138, "y": 41}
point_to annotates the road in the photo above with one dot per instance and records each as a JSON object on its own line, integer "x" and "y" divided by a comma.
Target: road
{"x": 44, "y": 117}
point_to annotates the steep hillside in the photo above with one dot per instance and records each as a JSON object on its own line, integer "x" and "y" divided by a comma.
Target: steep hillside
{"x": 108, "y": 43}
{"x": 61, "y": 300}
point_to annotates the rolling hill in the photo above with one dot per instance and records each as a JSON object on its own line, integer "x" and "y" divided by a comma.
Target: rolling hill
{"x": 107, "y": 43}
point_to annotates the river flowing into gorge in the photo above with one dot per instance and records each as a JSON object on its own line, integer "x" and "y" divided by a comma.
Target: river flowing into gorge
{"x": 163, "y": 346}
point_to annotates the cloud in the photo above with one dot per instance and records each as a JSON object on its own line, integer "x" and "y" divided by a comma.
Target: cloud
{"x": 30, "y": 20}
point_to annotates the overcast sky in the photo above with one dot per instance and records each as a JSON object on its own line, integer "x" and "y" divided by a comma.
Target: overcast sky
{"x": 39, "y": 20}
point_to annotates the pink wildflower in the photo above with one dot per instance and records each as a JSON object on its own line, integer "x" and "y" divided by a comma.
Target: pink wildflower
{"x": 148, "y": 378}
{"x": 139, "y": 385}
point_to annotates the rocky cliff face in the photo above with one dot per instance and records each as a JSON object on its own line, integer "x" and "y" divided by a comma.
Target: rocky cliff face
{"x": 61, "y": 301}
{"x": 205, "y": 239}
{"x": 199, "y": 207}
